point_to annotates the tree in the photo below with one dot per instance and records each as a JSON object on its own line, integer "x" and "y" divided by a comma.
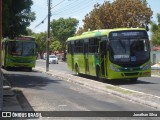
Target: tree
{"x": 155, "y": 30}
{"x": 17, "y": 16}
{"x": 119, "y": 13}
{"x": 29, "y": 32}
{"x": 56, "y": 46}
{"x": 63, "y": 28}
{"x": 41, "y": 42}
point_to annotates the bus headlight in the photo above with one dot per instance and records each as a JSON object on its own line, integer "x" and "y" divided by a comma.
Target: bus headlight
{"x": 147, "y": 66}
{"x": 114, "y": 68}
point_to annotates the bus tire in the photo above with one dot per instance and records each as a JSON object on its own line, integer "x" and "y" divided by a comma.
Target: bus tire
{"x": 3, "y": 67}
{"x": 30, "y": 69}
{"x": 98, "y": 72}
{"x": 8, "y": 68}
{"x": 77, "y": 70}
{"x": 134, "y": 79}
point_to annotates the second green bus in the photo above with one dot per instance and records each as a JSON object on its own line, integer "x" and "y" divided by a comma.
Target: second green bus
{"x": 122, "y": 53}
{"x": 19, "y": 52}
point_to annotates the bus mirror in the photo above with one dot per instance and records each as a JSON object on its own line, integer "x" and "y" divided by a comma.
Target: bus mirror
{"x": 147, "y": 28}
{"x": 36, "y": 45}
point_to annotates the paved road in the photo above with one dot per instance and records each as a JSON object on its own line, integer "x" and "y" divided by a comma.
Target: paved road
{"x": 62, "y": 66}
{"x": 150, "y": 85}
{"x": 47, "y": 93}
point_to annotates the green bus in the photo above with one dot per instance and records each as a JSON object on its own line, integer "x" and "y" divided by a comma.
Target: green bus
{"x": 122, "y": 53}
{"x": 19, "y": 52}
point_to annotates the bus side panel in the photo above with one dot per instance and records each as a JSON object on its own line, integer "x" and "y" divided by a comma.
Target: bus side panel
{"x": 3, "y": 57}
{"x": 92, "y": 65}
{"x": 69, "y": 61}
{"x": 20, "y": 61}
{"x": 79, "y": 60}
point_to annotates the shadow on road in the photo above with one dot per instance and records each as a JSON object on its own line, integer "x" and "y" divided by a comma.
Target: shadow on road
{"x": 34, "y": 81}
{"x": 116, "y": 81}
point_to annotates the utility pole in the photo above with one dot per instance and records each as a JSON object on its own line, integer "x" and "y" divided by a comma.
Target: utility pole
{"x": 0, "y": 29}
{"x": 48, "y": 36}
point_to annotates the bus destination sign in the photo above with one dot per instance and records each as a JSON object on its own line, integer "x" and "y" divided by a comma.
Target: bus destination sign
{"x": 23, "y": 38}
{"x": 127, "y": 34}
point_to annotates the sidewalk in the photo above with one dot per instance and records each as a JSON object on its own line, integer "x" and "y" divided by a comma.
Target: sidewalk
{"x": 155, "y": 66}
{"x": 10, "y": 102}
{"x": 1, "y": 90}
{"x": 155, "y": 70}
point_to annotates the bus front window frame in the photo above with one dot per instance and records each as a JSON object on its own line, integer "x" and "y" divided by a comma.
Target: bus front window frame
{"x": 128, "y": 57}
{"x": 18, "y": 48}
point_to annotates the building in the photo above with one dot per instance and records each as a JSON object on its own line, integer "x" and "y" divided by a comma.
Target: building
{"x": 155, "y": 55}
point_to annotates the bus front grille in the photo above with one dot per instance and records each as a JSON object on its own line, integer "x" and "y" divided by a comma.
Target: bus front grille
{"x": 131, "y": 74}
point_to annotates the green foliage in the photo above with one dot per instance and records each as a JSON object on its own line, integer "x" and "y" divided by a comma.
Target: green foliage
{"x": 119, "y": 13}
{"x": 29, "y": 32}
{"x": 56, "y": 46}
{"x": 155, "y": 30}
{"x": 41, "y": 41}
{"x": 17, "y": 16}
{"x": 155, "y": 38}
{"x": 63, "y": 28}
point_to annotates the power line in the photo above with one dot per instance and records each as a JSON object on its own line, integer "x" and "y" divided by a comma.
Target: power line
{"x": 47, "y": 15}
{"x": 68, "y": 7}
{"x": 73, "y": 7}
{"x": 41, "y": 22}
{"x": 75, "y": 10}
{"x": 58, "y": 4}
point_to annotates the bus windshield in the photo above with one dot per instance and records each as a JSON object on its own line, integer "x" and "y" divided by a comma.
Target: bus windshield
{"x": 19, "y": 48}
{"x": 129, "y": 50}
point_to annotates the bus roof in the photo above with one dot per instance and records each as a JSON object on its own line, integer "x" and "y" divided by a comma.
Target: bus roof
{"x": 101, "y": 32}
{"x": 22, "y": 37}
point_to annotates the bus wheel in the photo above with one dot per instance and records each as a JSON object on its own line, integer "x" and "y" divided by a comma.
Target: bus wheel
{"x": 98, "y": 72}
{"x": 134, "y": 79}
{"x": 8, "y": 68}
{"x": 77, "y": 70}
{"x": 30, "y": 69}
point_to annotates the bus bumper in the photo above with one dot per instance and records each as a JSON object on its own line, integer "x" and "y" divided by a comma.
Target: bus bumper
{"x": 128, "y": 75}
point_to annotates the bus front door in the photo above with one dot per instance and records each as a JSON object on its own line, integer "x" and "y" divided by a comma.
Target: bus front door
{"x": 102, "y": 54}
{"x": 86, "y": 56}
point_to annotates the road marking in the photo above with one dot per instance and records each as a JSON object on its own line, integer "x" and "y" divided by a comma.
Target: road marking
{"x": 62, "y": 105}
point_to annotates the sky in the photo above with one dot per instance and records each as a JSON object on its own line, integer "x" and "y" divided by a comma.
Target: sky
{"x": 71, "y": 8}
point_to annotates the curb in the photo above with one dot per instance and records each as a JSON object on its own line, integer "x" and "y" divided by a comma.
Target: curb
{"x": 140, "y": 97}
{"x": 10, "y": 102}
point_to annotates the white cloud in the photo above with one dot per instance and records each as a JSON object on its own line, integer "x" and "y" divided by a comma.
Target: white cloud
{"x": 77, "y": 17}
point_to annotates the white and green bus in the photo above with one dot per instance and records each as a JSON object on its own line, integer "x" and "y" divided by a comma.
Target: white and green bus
{"x": 122, "y": 53}
{"x": 19, "y": 52}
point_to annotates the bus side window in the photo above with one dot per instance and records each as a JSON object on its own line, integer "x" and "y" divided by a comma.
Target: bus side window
{"x": 93, "y": 45}
{"x": 72, "y": 47}
{"x": 68, "y": 47}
